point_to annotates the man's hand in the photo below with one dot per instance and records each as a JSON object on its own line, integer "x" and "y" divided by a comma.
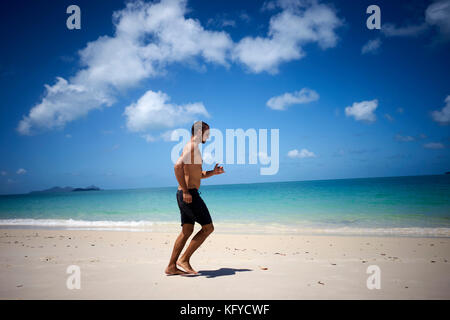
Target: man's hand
{"x": 187, "y": 197}
{"x": 218, "y": 170}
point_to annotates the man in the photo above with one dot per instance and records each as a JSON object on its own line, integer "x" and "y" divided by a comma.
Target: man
{"x": 188, "y": 171}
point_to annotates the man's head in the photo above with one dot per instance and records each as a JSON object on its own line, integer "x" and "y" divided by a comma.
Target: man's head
{"x": 200, "y": 129}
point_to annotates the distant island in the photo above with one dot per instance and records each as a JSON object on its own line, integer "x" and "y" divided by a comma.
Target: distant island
{"x": 90, "y": 188}
{"x": 67, "y": 189}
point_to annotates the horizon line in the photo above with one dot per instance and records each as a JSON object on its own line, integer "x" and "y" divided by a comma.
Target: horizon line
{"x": 223, "y": 184}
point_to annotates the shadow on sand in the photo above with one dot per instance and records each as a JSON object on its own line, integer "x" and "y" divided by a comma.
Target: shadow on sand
{"x": 219, "y": 272}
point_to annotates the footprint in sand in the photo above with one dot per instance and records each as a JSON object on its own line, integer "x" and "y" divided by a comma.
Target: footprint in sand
{"x": 46, "y": 259}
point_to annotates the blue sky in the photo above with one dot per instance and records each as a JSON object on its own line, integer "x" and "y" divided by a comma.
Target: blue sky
{"x": 373, "y": 104}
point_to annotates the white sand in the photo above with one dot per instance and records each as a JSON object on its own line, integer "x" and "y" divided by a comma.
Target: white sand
{"x": 130, "y": 265}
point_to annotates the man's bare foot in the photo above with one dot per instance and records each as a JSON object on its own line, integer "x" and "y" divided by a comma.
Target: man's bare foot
{"x": 173, "y": 270}
{"x": 186, "y": 266}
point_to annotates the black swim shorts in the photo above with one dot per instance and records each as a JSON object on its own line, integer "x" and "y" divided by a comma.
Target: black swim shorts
{"x": 194, "y": 211}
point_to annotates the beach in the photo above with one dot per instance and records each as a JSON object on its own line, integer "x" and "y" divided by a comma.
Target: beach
{"x": 130, "y": 265}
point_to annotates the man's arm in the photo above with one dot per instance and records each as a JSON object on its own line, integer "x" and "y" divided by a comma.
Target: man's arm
{"x": 207, "y": 174}
{"x": 179, "y": 174}
{"x": 210, "y": 173}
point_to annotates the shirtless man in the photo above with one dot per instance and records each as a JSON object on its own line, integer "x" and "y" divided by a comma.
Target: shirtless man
{"x": 188, "y": 171}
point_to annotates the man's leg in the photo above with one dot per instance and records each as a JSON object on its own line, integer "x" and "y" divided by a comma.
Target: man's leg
{"x": 178, "y": 247}
{"x": 196, "y": 241}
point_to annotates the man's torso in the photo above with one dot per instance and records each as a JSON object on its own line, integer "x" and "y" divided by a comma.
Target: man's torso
{"x": 192, "y": 167}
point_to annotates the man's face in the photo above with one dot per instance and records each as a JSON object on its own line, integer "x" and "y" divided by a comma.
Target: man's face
{"x": 205, "y": 135}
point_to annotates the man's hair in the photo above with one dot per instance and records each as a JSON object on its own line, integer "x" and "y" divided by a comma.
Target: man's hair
{"x": 197, "y": 125}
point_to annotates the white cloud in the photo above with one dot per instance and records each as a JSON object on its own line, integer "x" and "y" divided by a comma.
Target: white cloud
{"x": 245, "y": 17}
{"x": 164, "y": 136}
{"x": 371, "y": 46}
{"x": 287, "y": 4}
{"x": 299, "y": 22}
{"x": 21, "y": 171}
{"x": 401, "y": 138}
{"x": 153, "y": 112}
{"x": 404, "y": 138}
{"x": 438, "y": 14}
{"x": 226, "y": 19}
{"x": 221, "y": 21}
{"x": 363, "y": 110}
{"x": 434, "y": 145}
{"x": 390, "y": 30}
{"x": 304, "y": 95}
{"x": 149, "y": 138}
{"x": 268, "y": 5}
{"x": 304, "y": 153}
{"x": 443, "y": 116}
{"x": 228, "y": 23}
{"x": 62, "y": 103}
{"x": 389, "y": 117}
{"x": 148, "y": 37}
{"x": 339, "y": 153}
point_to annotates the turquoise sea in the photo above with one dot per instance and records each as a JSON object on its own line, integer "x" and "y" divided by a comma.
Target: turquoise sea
{"x": 411, "y": 205}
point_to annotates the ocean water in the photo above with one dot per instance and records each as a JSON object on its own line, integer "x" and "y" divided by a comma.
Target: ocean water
{"x": 412, "y": 206}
